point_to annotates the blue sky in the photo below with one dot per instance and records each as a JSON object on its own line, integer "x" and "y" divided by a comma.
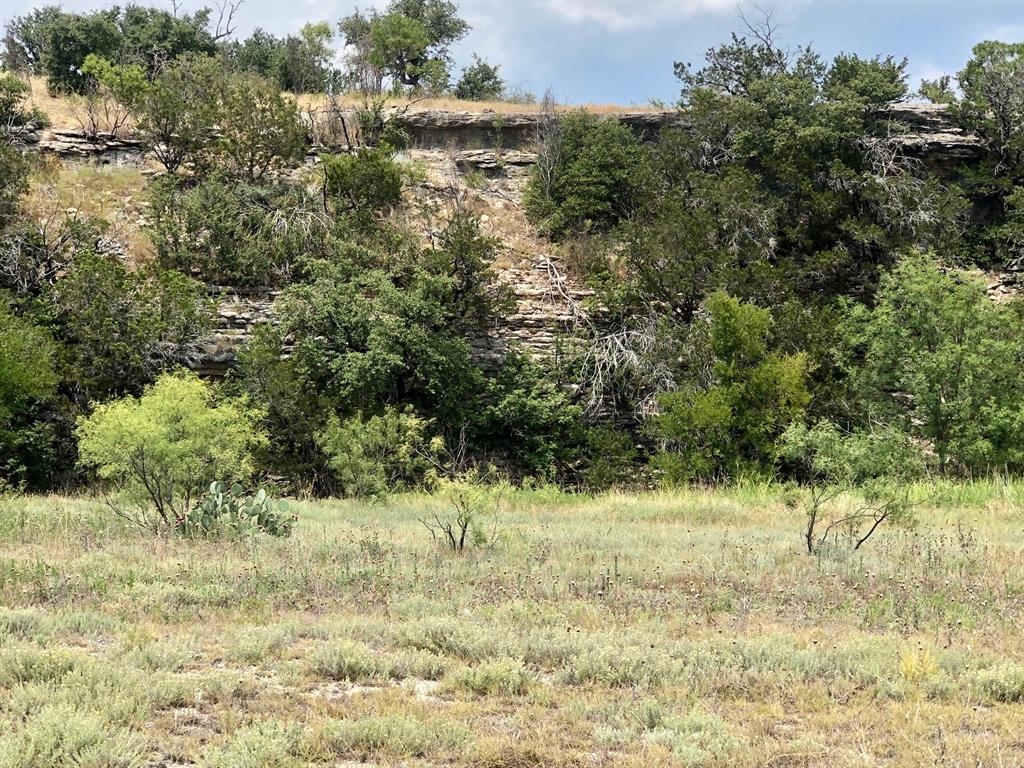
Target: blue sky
{"x": 622, "y": 51}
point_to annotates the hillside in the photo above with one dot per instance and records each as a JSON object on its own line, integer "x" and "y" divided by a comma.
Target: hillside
{"x": 468, "y": 153}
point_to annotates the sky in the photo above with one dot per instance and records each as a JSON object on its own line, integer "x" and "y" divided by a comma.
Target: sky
{"x": 622, "y": 51}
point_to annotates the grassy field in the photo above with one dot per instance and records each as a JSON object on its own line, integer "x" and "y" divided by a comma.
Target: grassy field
{"x": 651, "y": 630}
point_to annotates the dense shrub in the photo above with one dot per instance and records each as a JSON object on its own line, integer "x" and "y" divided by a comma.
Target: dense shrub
{"x": 387, "y": 452}
{"x": 364, "y": 182}
{"x": 119, "y": 329}
{"x": 260, "y": 129}
{"x": 235, "y": 233}
{"x": 938, "y": 358}
{"x": 727, "y": 422}
{"x": 28, "y": 377}
{"x": 596, "y": 176}
{"x": 177, "y": 113}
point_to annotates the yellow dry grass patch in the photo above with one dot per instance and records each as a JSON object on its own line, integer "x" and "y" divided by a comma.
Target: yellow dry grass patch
{"x": 62, "y": 109}
{"x": 114, "y": 194}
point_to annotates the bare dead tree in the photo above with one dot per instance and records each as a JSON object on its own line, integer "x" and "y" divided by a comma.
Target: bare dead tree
{"x": 226, "y": 10}
{"x": 547, "y": 140}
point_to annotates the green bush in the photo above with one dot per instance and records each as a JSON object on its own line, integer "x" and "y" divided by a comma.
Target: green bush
{"x": 235, "y": 233}
{"x": 507, "y": 677}
{"x": 162, "y": 449}
{"x": 728, "y": 423}
{"x": 120, "y": 329}
{"x": 480, "y": 81}
{"x": 363, "y": 183}
{"x": 28, "y": 378}
{"x": 176, "y": 115}
{"x": 595, "y": 176}
{"x": 386, "y": 452}
{"x": 260, "y": 129}
{"x": 936, "y": 357}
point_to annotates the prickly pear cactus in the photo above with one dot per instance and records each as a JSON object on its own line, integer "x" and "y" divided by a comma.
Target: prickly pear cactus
{"x": 225, "y": 510}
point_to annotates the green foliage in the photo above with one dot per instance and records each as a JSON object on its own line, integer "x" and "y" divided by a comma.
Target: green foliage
{"x": 526, "y": 417}
{"x": 70, "y": 40}
{"x": 938, "y": 358}
{"x": 612, "y": 458}
{"x": 162, "y": 449}
{"x": 260, "y": 129}
{"x": 877, "y": 464}
{"x": 296, "y": 63}
{"x": 230, "y": 511}
{"x": 27, "y": 365}
{"x": 108, "y": 94}
{"x": 728, "y": 422}
{"x": 387, "y": 452}
{"x": 52, "y": 42}
{"x": 480, "y": 81}
{"x": 177, "y": 113}
{"x": 28, "y": 379}
{"x": 407, "y": 43}
{"x": 993, "y": 100}
{"x": 119, "y": 329}
{"x": 596, "y": 177}
{"x": 364, "y": 182}
{"x": 235, "y": 233}
{"x": 14, "y": 116}
{"x": 938, "y": 91}
{"x": 992, "y": 86}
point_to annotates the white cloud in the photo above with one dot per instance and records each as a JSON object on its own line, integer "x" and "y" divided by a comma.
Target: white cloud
{"x": 621, "y": 15}
{"x": 1007, "y": 33}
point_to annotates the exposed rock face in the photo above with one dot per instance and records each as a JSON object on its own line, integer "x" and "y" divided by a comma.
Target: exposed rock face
{"x": 78, "y": 145}
{"x": 934, "y": 137}
{"x": 433, "y": 129}
{"x": 239, "y": 312}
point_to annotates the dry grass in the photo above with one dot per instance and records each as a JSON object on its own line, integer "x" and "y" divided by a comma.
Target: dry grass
{"x": 672, "y": 629}
{"x": 61, "y": 109}
{"x": 313, "y": 101}
{"x": 115, "y": 194}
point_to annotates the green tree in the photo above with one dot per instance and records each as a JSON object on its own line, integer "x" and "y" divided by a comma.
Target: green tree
{"x": 161, "y": 450}
{"x": 875, "y": 467}
{"x": 480, "y": 81}
{"x": 109, "y": 95}
{"x": 260, "y": 129}
{"x": 992, "y": 83}
{"x": 305, "y": 59}
{"x": 70, "y": 40}
{"x": 936, "y": 357}
{"x": 177, "y": 113}
{"x": 409, "y": 43}
{"x": 727, "y": 420}
{"x": 25, "y": 39}
{"x": 120, "y": 329}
